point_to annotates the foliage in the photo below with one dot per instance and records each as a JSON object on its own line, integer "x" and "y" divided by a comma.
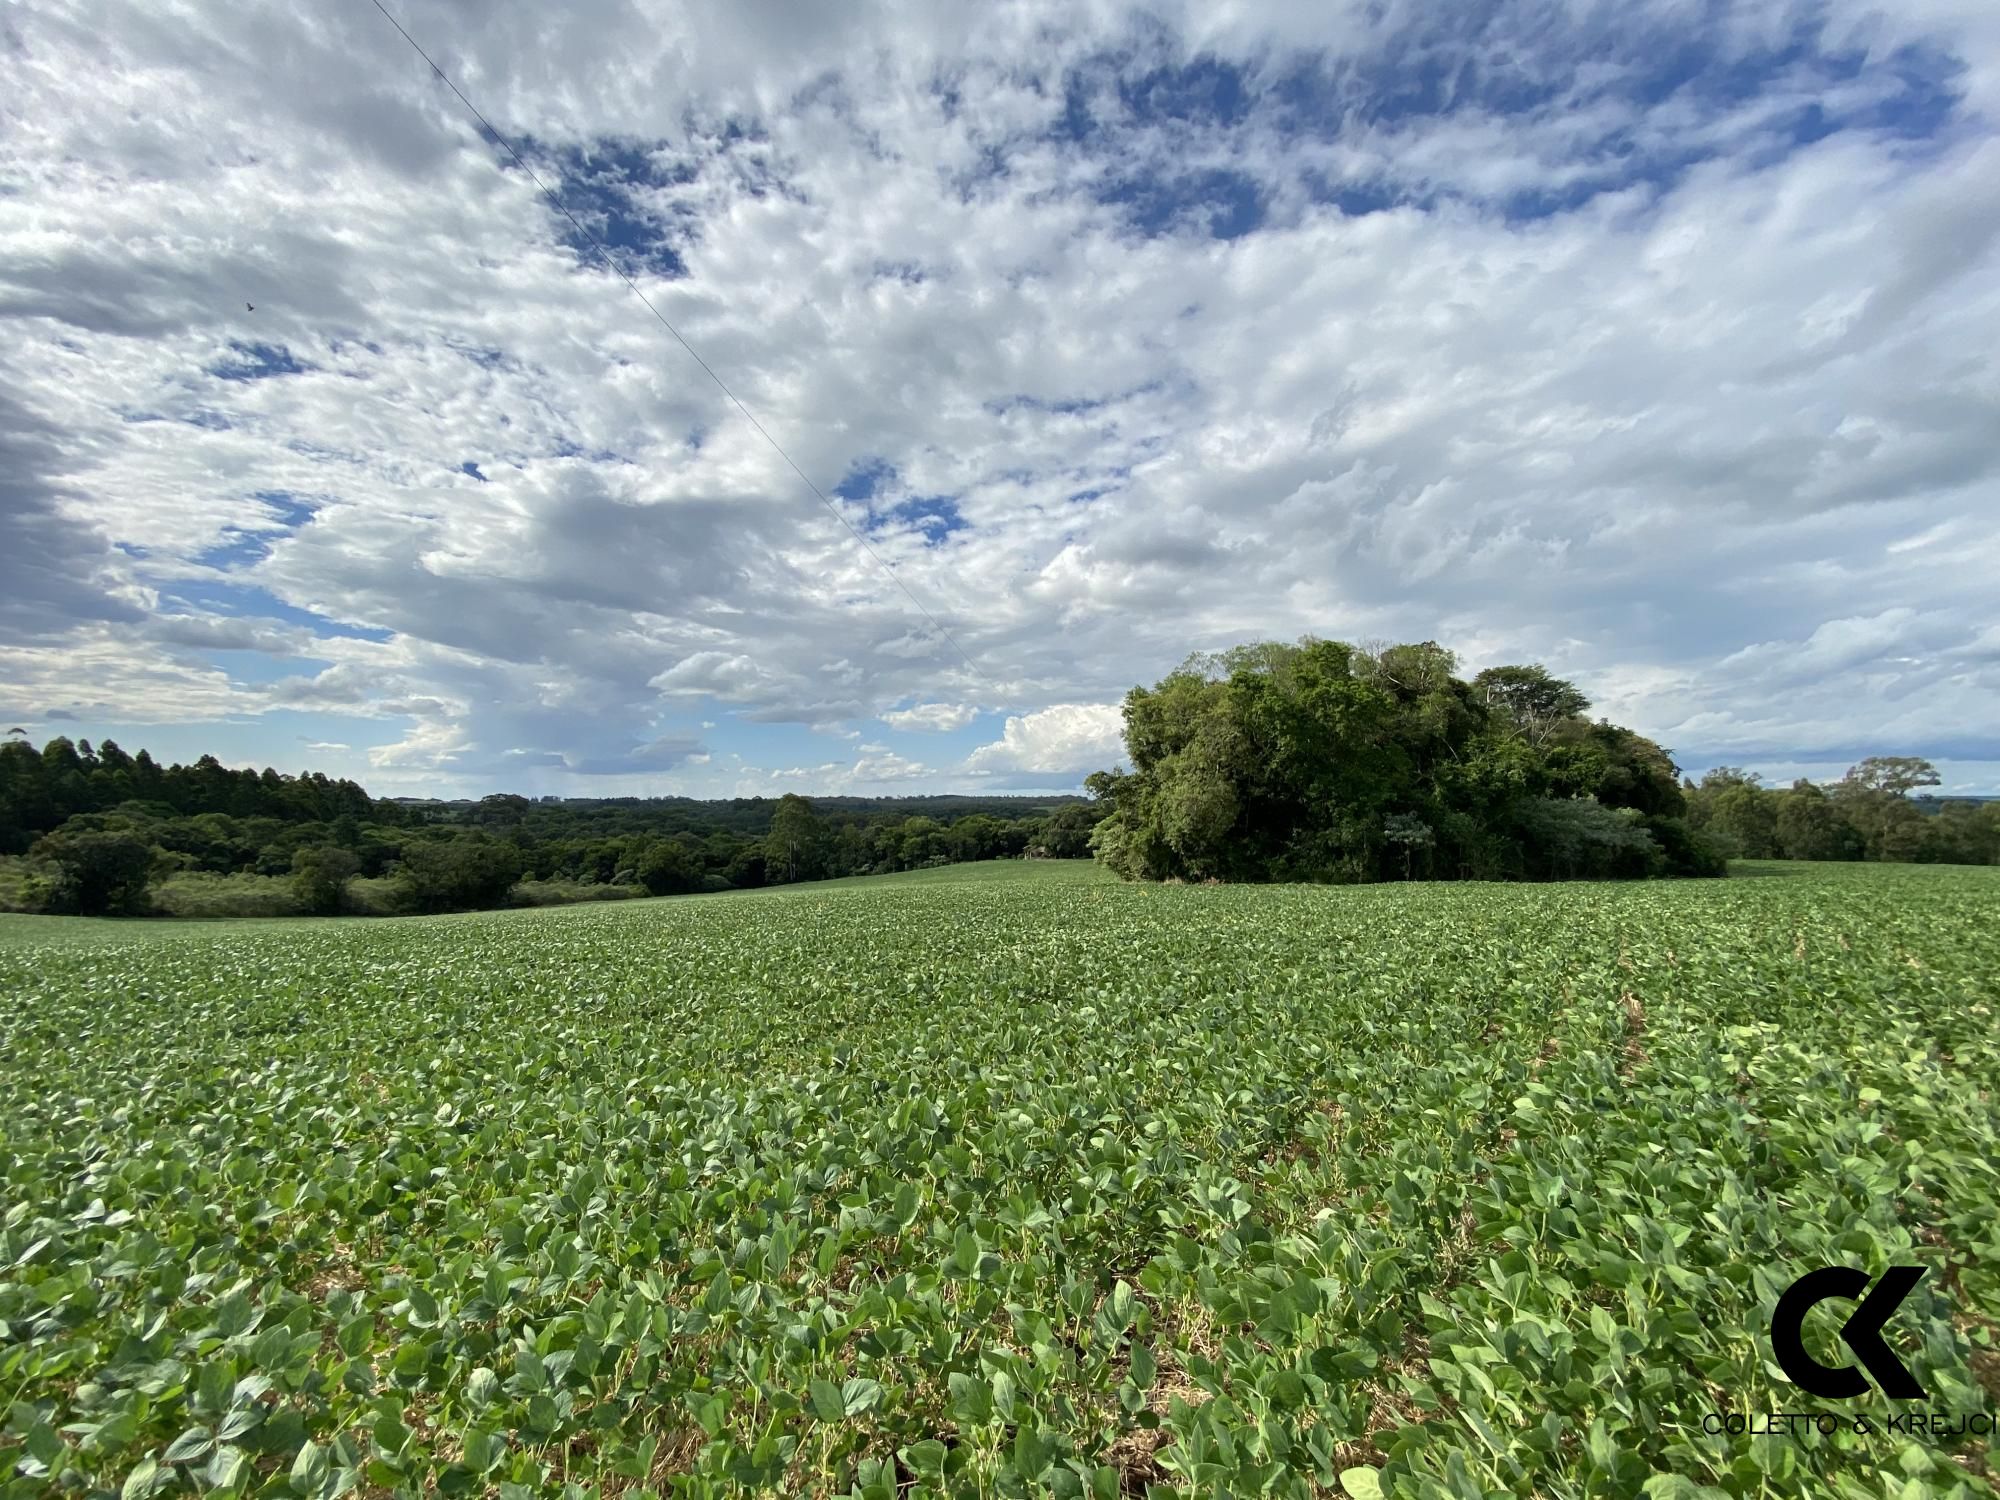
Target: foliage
{"x": 667, "y": 869}
{"x": 380, "y": 896}
{"x": 1535, "y": 702}
{"x": 1016, "y": 1182}
{"x": 1321, "y": 762}
{"x": 98, "y": 872}
{"x": 24, "y": 885}
{"x": 42, "y": 788}
{"x": 320, "y": 876}
{"x": 456, "y": 874}
{"x": 1582, "y": 839}
{"x": 795, "y": 848}
{"x": 205, "y": 818}
{"x": 567, "y": 892}
{"x": 197, "y": 893}
{"x": 1868, "y": 814}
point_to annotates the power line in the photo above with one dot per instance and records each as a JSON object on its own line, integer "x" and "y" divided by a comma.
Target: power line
{"x": 619, "y": 271}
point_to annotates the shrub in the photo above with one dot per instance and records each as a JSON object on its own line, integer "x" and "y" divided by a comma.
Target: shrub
{"x": 202, "y": 893}
{"x": 667, "y": 870}
{"x": 470, "y": 871}
{"x": 377, "y": 896}
{"x": 568, "y": 892}
{"x": 320, "y": 876}
{"x": 1581, "y": 839}
{"x": 97, "y": 874}
{"x": 23, "y": 886}
{"x": 1686, "y": 850}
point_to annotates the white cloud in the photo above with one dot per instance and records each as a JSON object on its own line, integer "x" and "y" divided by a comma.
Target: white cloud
{"x": 931, "y": 716}
{"x": 881, "y": 771}
{"x": 718, "y": 674}
{"x": 1706, "y": 420}
{"x": 427, "y": 747}
{"x": 1064, "y": 740}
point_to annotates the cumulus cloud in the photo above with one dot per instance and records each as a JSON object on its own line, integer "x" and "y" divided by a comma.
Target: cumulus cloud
{"x": 1065, "y": 741}
{"x": 869, "y": 773}
{"x": 931, "y": 716}
{"x": 1116, "y": 334}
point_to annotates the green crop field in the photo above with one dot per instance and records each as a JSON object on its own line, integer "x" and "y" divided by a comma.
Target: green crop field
{"x": 1003, "y": 1181}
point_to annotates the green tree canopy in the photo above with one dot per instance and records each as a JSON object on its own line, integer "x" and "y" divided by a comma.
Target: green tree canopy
{"x": 320, "y": 875}
{"x": 1320, "y": 761}
{"x": 98, "y": 872}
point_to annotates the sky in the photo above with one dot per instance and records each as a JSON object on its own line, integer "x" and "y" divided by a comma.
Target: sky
{"x": 1649, "y": 341}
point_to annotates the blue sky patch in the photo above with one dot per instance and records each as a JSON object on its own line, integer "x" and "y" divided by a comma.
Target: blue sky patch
{"x": 863, "y": 480}
{"x": 1224, "y": 203}
{"x": 238, "y": 549}
{"x": 936, "y": 516}
{"x": 1205, "y": 91}
{"x": 617, "y": 189}
{"x": 233, "y": 598}
{"x": 257, "y": 362}
{"x": 1494, "y": 60}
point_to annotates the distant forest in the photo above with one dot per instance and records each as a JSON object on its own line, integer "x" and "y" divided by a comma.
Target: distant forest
{"x": 1317, "y": 762}
{"x": 1324, "y": 761}
{"x": 95, "y": 830}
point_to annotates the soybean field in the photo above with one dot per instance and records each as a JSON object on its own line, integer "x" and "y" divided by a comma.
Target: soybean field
{"x": 1005, "y": 1181}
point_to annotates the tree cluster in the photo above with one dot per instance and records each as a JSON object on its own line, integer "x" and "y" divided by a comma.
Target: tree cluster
{"x": 42, "y": 789}
{"x": 1323, "y": 761}
{"x": 1869, "y": 814}
{"x": 101, "y": 829}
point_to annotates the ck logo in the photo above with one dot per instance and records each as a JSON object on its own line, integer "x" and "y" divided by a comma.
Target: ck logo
{"x": 1862, "y": 1332}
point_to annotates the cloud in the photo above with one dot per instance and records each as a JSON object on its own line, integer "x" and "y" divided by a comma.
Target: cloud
{"x": 715, "y": 674}
{"x": 1118, "y": 333}
{"x": 1065, "y": 740}
{"x": 882, "y": 771}
{"x": 930, "y": 716}
{"x": 668, "y": 749}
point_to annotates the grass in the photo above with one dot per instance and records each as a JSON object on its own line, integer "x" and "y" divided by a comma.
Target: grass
{"x": 1004, "y": 1179}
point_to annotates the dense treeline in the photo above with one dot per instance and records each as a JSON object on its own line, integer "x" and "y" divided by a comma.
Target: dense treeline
{"x": 1325, "y": 762}
{"x": 1318, "y": 762}
{"x": 1868, "y": 814}
{"x": 97, "y": 830}
{"x": 42, "y": 789}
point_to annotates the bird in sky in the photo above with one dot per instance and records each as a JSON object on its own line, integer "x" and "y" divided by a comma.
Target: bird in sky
{"x": 249, "y": 307}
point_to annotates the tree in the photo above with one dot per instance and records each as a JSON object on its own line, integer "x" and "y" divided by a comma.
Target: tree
{"x": 98, "y": 873}
{"x": 1530, "y": 698}
{"x": 1875, "y": 795}
{"x": 1065, "y": 833}
{"x": 746, "y": 869}
{"x": 1581, "y": 839}
{"x": 1812, "y": 825}
{"x": 1409, "y": 833}
{"x": 320, "y": 875}
{"x": 469, "y": 871}
{"x": 1960, "y": 833}
{"x": 667, "y": 869}
{"x": 1321, "y": 762}
{"x": 1891, "y": 775}
{"x": 502, "y": 809}
{"x": 1613, "y": 766}
{"x": 1738, "y": 813}
{"x": 793, "y": 847}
